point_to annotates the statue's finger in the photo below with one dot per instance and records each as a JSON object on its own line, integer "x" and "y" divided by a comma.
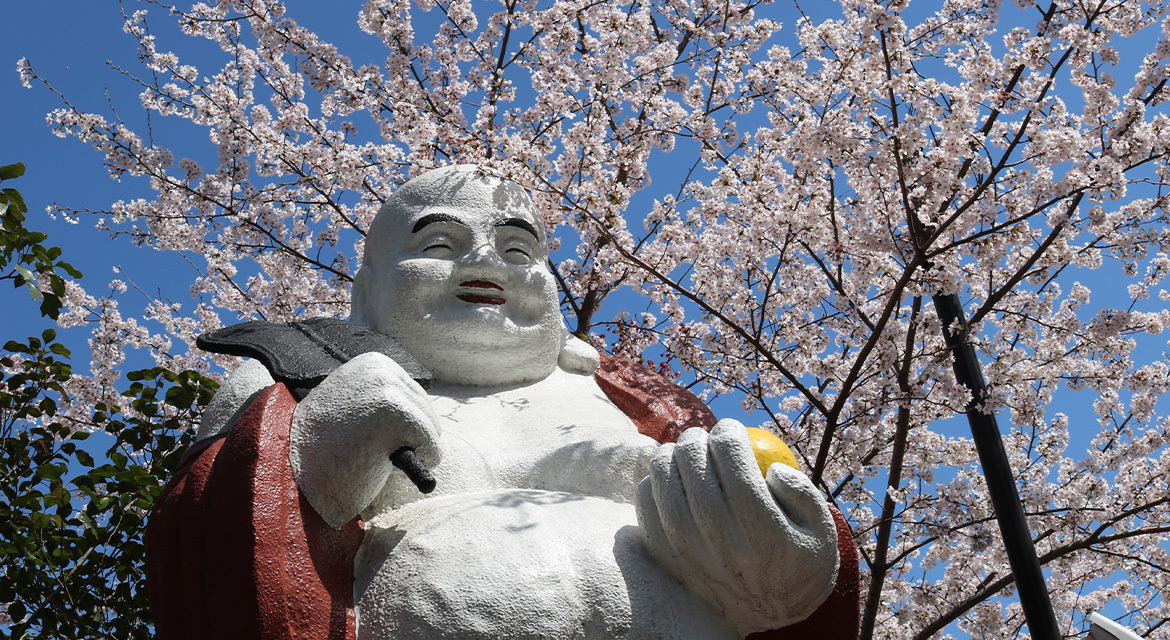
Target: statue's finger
{"x": 650, "y": 522}
{"x": 708, "y": 504}
{"x": 800, "y": 501}
{"x": 752, "y": 505}
{"x": 678, "y": 522}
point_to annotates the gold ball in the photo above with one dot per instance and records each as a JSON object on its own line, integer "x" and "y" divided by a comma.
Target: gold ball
{"x": 768, "y": 449}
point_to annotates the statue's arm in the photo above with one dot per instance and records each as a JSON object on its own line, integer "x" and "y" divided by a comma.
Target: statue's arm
{"x": 664, "y": 410}
{"x": 345, "y": 429}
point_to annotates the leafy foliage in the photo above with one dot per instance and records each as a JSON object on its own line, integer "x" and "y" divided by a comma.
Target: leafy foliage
{"x": 74, "y": 496}
{"x": 22, "y": 251}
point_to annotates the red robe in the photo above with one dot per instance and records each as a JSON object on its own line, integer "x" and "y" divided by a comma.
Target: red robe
{"x": 234, "y": 551}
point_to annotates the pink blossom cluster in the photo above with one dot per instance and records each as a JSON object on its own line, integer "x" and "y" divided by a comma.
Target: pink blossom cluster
{"x": 786, "y": 192}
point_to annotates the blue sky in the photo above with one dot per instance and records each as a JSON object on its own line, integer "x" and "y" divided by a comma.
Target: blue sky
{"x": 69, "y": 42}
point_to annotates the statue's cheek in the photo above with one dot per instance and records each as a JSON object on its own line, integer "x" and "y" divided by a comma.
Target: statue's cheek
{"x": 422, "y": 275}
{"x": 424, "y": 268}
{"x": 536, "y": 294}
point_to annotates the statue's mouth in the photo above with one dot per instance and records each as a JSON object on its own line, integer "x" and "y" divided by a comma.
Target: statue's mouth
{"x": 478, "y": 298}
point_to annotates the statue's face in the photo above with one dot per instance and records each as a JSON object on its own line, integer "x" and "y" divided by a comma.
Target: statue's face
{"x": 460, "y": 279}
{"x": 481, "y": 266}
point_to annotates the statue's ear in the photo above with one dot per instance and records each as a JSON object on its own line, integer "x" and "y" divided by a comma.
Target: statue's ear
{"x": 578, "y": 356}
{"x": 359, "y": 299}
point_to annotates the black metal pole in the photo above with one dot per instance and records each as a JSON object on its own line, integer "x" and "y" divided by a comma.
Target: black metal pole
{"x": 1005, "y": 499}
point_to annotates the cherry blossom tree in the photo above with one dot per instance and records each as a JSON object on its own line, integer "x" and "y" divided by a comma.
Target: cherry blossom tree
{"x": 767, "y": 200}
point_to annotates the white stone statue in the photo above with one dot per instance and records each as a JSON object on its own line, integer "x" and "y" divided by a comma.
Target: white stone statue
{"x": 553, "y": 517}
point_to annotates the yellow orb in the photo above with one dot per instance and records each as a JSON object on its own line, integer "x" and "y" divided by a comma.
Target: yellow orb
{"x": 768, "y": 449}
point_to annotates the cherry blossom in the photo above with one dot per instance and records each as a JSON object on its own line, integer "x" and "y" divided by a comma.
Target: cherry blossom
{"x": 765, "y": 201}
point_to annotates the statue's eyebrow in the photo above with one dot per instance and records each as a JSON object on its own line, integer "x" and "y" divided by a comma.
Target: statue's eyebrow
{"x": 435, "y": 217}
{"x": 519, "y": 223}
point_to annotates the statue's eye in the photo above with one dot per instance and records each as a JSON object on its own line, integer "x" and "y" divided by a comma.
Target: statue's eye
{"x": 516, "y": 246}
{"x": 436, "y": 248}
{"x": 517, "y": 255}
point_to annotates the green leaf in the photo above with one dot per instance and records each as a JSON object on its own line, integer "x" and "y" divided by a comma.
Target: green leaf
{"x": 73, "y": 272}
{"x": 29, "y": 276}
{"x": 17, "y": 201}
{"x": 51, "y": 472}
{"x": 84, "y": 458}
{"x": 180, "y": 397}
{"x": 57, "y": 284}
{"x": 51, "y": 306}
{"x": 48, "y": 406}
{"x": 11, "y": 171}
{"x": 30, "y": 281}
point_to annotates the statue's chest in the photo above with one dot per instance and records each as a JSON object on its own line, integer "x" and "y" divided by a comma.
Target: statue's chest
{"x": 561, "y": 434}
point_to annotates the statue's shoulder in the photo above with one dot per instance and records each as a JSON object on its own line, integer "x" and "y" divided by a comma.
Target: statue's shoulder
{"x": 302, "y": 353}
{"x": 299, "y": 354}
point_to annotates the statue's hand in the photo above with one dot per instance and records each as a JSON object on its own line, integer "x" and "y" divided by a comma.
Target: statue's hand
{"x": 344, "y": 431}
{"x": 762, "y": 551}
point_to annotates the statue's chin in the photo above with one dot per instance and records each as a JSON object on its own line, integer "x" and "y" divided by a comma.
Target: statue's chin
{"x": 489, "y": 371}
{"x": 484, "y": 354}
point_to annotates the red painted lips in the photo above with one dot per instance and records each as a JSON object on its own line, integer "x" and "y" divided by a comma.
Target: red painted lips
{"x": 476, "y": 298}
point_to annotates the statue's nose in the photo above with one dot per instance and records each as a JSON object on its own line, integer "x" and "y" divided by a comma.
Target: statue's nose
{"x": 485, "y": 256}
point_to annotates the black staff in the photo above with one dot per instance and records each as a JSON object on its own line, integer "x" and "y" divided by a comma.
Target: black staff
{"x": 1005, "y": 499}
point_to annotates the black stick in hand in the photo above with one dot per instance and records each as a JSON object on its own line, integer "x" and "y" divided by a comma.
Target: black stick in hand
{"x": 406, "y": 459}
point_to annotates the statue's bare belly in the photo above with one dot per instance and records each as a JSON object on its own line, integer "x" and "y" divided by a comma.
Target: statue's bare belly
{"x": 485, "y": 565}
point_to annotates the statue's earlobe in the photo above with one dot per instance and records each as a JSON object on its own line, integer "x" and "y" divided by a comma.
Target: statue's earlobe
{"x": 359, "y": 300}
{"x": 578, "y": 356}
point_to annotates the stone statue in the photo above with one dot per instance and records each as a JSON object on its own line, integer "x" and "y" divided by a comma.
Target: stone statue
{"x": 552, "y": 516}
